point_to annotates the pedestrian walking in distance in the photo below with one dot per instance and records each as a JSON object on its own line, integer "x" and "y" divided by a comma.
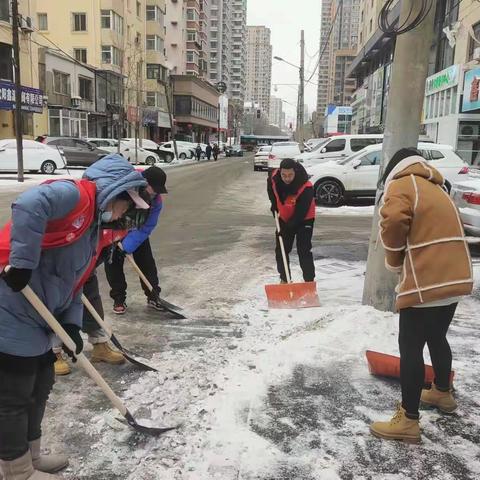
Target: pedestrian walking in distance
{"x": 49, "y": 243}
{"x": 216, "y": 151}
{"x": 291, "y": 196}
{"x": 424, "y": 243}
{"x": 208, "y": 151}
{"x": 137, "y": 242}
{"x": 198, "y": 152}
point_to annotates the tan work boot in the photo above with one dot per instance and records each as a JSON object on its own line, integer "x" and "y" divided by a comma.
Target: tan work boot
{"x": 46, "y": 463}
{"x": 61, "y": 365}
{"x": 102, "y": 352}
{"x": 444, "y": 401}
{"x": 22, "y": 469}
{"x": 400, "y": 427}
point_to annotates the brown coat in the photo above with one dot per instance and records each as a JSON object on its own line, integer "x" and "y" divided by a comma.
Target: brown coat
{"x": 423, "y": 236}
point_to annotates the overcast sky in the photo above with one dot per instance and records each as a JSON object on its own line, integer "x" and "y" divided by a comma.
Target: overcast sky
{"x": 286, "y": 18}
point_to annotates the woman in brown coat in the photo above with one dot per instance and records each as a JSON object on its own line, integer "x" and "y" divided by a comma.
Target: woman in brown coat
{"x": 424, "y": 243}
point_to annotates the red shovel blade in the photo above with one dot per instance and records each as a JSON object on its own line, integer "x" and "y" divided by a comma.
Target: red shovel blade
{"x": 385, "y": 365}
{"x": 292, "y": 295}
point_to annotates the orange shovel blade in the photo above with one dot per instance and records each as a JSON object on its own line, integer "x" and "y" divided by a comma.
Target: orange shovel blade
{"x": 292, "y": 295}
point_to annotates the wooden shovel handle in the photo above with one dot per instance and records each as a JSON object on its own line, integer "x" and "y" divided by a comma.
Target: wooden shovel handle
{"x": 43, "y": 311}
{"x": 282, "y": 248}
{"x": 136, "y": 267}
{"x": 93, "y": 312}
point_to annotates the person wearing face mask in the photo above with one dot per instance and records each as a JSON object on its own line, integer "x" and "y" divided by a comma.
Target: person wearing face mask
{"x": 137, "y": 242}
{"x": 291, "y": 196}
{"x": 49, "y": 244}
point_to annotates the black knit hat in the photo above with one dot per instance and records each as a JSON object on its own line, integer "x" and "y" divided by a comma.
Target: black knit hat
{"x": 156, "y": 178}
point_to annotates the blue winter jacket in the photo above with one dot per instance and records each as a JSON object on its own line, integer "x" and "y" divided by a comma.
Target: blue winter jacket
{"x": 136, "y": 237}
{"x": 56, "y": 271}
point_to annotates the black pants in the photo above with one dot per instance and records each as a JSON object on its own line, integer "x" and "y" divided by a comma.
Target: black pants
{"x": 23, "y": 396}
{"x": 116, "y": 277}
{"x": 304, "y": 249}
{"x": 92, "y": 292}
{"x": 417, "y": 327}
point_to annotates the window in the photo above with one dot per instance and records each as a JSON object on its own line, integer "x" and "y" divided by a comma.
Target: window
{"x": 192, "y": 15}
{"x": 80, "y": 54}
{"x": 192, "y": 36}
{"x": 139, "y": 9}
{"x": 79, "y": 22}
{"x": 6, "y": 67}
{"x": 61, "y": 83}
{"x": 85, "y": 88}
{"x": 111, "y": 55}
{"x": 42, "y": 20}
{"x": 154, "y": 14}
{"x": 105, "y": 20}
{"x": 473, "y": 44}
{"x": 337, "y": 145}
{"x": 112, "y": 20}
{"x": 151, "y": 99}
{"x": 432, "y": 154}
{"x": 154, "y": 42}
{"x": 5, "y": 10}
{"x": 357, "y": 144}
{"x": 371, "y": 159}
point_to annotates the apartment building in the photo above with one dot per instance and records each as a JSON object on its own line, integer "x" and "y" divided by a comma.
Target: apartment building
{"x": 276, "y": 111}
{"x": 32, "y": 97}
{"x": 324, "y": 74}
{"x": 239, "y": 52}
{"x": 123, "y": 40}
{"x": 259, "y": 68}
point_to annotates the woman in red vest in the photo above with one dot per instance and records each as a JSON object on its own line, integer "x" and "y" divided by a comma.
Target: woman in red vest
{"x": 291, "y": 195}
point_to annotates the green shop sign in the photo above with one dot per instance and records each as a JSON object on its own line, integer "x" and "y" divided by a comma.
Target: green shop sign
{"x": 442, "y": 80}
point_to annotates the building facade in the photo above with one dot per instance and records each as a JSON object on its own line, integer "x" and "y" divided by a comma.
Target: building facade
{"x": 276, "y": 111}
{"x": 324, "y": 75}
{"x": 33, "y": 100}
{"x": 238, "y": 65}
{"x": 259, "y": 68}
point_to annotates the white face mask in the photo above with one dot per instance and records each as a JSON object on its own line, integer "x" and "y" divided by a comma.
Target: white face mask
{"x": 106, "y": 217}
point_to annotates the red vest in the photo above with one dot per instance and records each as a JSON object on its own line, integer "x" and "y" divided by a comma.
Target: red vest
{"x": 63, "y": 231}
{"x": 286, "y": 210}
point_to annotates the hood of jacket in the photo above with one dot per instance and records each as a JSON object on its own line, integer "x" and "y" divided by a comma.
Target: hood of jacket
{"x": 113, "y": 175}
{"x": 285, "y": 190}
{"x": 418, "y": 166}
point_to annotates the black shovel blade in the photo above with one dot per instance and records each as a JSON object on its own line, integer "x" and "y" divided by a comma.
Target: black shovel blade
{"x": 132, "y": 357}
{"x": 171, "y": 308}
{"x": 156, "y": 431}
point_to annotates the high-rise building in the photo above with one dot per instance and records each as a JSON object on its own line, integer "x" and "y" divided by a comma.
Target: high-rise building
{"x": 306, "y": 114}
{"x": 124, "y": 42}
{"x": 339, "y": 40}
{"x": 259, "y": 67}
{"x": 276, "y": 111}
{"x": 227, "y": 45}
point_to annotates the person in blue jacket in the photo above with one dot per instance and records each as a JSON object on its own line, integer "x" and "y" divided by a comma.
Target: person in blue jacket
{"x": 26, "y": 358}
{"x": 137, "y": 243}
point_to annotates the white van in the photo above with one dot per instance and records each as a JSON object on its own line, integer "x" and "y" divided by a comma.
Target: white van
{"x": 338, "y": 147}
{"x": 280, "y": 151}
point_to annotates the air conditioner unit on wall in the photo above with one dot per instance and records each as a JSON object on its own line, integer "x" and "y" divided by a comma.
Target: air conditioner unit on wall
{"x": 26, "y": 25}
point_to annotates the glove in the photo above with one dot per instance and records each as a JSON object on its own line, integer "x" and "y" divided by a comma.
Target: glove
{"x": 73, "y": 331}
{"x": 17, "y": 278}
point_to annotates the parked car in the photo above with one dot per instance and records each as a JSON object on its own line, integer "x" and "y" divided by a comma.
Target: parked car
{"x": 126, "y": 149}
{"x": 466, "y": 195}
{"x": 234, "y": 151}
{"x": 77, "y": 152}
{"x": 260, "y": 161}
{"x": 357, "y": 175}
{"x": 167, "y": 150}
{"x": 280, "y": 151}
{"x": 37, "y": 157}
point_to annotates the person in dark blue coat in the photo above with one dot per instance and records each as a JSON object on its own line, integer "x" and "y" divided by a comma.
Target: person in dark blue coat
{"x": 137, "y": 243}
{"x": 26, "y": 358}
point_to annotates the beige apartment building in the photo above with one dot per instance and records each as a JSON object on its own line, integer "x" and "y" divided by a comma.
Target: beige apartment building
{"x": 123, "y": 40}
{"x": 259, "y": 68}
{"x": 32, "y": 98}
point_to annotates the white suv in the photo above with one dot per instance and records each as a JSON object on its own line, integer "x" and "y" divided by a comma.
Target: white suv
{"x": 280, "y": 151}
{"x": 357, "y": 175}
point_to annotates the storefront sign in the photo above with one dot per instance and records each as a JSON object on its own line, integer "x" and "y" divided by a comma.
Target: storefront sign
{"x": 223, "y": 111}
{"x": 133, "y": 114}
{"x": 163, "y": 120}
{"x": 32, "y": 98}
{"x": 150, "y": 117}
{"x": 447, "y": 78}
{"x": 471, "y": 90}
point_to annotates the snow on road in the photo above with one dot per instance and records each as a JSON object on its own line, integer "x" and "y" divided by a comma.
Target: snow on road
{"x": 346, "y": 210}
{"x": 291, "y": 398}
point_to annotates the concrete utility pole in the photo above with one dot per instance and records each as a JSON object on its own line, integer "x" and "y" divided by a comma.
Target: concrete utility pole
{"x": 405, "y": 104}
{"x": 18, "y": 90}
{"x": 301, "y": 92}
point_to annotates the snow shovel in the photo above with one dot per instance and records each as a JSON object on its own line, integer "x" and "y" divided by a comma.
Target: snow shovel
{"x": 173, "y": 309}
{"x": 384, "y": 365}
{"x": 130, "y": 356}
{"x": 38, "y": 305}
{"x": 290, "y": 295}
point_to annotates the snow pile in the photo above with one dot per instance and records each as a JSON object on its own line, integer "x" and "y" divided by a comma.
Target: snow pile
{"x": 346, "y": 211}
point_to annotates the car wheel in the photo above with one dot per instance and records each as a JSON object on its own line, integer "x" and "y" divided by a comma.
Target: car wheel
{"x": 448, "y": 186}
{"x": 183, "y": 156}
{"x": 168, "y": 158}
{"x": 150, "y": 160}
{"x": 48, "y": 167}
{"x": 329, "y": 192}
